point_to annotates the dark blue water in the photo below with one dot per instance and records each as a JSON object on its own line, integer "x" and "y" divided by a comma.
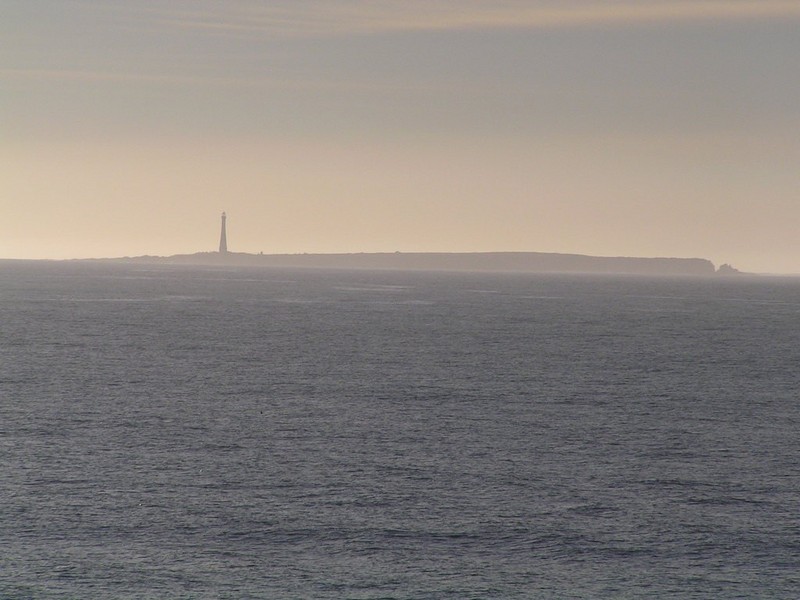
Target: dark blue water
{"x": 206, "y": 433}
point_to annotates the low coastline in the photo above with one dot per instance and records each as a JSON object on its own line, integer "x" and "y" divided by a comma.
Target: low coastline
{"x": 520, "y": 262}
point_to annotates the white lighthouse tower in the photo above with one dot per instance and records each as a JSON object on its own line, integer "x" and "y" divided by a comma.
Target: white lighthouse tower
{"x": 223, "y": 239}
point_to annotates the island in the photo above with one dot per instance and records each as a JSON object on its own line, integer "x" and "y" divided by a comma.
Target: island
{"x": 516, "y": 262}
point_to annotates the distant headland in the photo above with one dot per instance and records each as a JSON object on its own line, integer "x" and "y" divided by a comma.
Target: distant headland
{"x": 517, "y": 262}
{"x": 513, "y": 262}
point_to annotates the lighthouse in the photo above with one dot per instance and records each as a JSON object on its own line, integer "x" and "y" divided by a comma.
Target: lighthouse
{"x": 223, "y": 240}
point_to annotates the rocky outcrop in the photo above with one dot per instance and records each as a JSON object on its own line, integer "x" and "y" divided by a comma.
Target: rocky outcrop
{"x": 727, "y": 269}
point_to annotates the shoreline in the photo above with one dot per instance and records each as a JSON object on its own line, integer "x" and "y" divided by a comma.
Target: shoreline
{"x": 513, "y": 262}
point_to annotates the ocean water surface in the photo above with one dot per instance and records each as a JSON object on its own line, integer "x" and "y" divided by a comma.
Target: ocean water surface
{"x": 187, "y": 432}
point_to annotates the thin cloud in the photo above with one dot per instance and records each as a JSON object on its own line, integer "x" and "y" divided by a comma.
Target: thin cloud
{"x": 256, "y": 82}
{"x": 93, "y": 76}
{"x": 127, "y": 77}
{"x": 342, "y": 17}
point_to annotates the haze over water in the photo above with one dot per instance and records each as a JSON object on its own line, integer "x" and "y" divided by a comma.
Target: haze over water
{"x": 187, "y": 432}
{"x": 178, "y": 431}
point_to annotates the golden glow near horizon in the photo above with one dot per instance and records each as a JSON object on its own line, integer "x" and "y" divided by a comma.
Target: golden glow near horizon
{"x": 610, "y": 127}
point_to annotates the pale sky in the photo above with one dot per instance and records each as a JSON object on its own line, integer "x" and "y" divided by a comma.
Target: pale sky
{"x": 604, "y": 127}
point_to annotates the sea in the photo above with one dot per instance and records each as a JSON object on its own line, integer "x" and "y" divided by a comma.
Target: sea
{"x": 242, "y": 433}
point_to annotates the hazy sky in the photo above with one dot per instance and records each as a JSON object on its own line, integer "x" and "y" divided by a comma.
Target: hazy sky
{"x": 609, "y": 127}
